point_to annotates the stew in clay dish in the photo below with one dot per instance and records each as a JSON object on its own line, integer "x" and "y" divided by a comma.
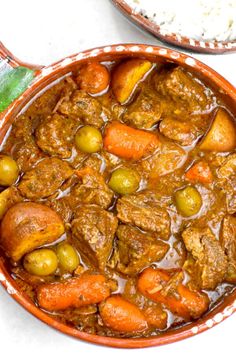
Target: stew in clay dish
{"x": 118, "y": 199}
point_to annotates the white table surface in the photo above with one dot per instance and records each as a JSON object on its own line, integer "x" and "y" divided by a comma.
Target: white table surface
{"x": 42, "y": 32}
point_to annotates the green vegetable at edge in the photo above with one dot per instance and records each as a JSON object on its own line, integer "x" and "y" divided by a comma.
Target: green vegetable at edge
{"x": 13, "y": 83}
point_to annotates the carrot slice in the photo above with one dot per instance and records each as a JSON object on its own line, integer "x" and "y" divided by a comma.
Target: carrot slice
{"x": 127, "y": 142}
{"x": 122, "y": 316}
{"x": 75, "y": 292}
{"x": 183, "y": 302}
{"x": 199, "y": 172}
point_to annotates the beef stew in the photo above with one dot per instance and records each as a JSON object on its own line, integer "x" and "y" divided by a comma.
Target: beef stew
{"x": 118, "y": 199}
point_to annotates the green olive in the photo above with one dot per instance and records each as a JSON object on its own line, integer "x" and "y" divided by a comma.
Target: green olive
{"x": 188, "y": 201}
{"x": 67, "y": 257}
{"x": 9, "y": 170}
{"x": 124, "y": 181}
{"x": 41, "y": 262}
{"x": 3, "y": 202}
{"x": 88, "y": 139}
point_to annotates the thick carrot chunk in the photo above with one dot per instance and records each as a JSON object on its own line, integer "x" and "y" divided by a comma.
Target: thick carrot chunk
{"x": 75, "y": 292}
{"x": 122, "y": 316}
{"x": 129, "y": 143}
{"x": 156, "y": 285}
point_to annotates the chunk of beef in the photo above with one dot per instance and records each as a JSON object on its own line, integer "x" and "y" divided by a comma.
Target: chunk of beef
{"x": 21, "y": 144}
{"x": 231, "y": 198}
{"x": 84, "y": 108}
{"x": 45, "y": 104}
{"x": 112, "y": 109}
{"x": 27, "y": 155}
{"x": 148, "y": 215}
{"x": 183, "y": 89}
{"x": 62, "y": 207}
{"x": 144, "y": 112}
{"x": 8, "y": 198}
{"x": 166, "y": 159}
{"x": 23, "y": 127}
{"x": 55, "y": 135}
{"x": 93, "y": 231}
{"x": 184, "y": 129}
{"x": 228, "y": 167}
{"x": 227, "y": 175}
{"x": 98, "y": 162}
{"x": 210, "y": 261}
{"x": 111, "y": 160}
{"x": 228, "y": 243}
{"x": 95, "y": 161}
{"x": 45, "y": 178}
{"x": 92, "y": 190}
{"x": 136, "y": 250}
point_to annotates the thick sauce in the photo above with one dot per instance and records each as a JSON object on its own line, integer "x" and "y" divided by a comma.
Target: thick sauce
{"x": 173, "y": 213}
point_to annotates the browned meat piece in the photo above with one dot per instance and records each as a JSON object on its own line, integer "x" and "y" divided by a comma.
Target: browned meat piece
{"x": 144, "y": 112}
{"x": 183, "y": 89}
{"x": 83, "y": 107}
{"x": 46, "y": 103}
{"x": 93, "y": 231}
{"x": 23, "y": 127}
{"x": 55, "y": 135}
{"x": 96, "y": 162}
{"x": 166, "y": 159}
{"x": 227, "y": 176}
{"x": 27, "y": 155}
{"x": 136, "y": 250}
{"x": 61, "y": 207}
{"x": 92, "y": 190}
{"x": 231, "y": 198}
{"x": 111, "y": 108}
{"x": 180, "y": 131}
{"x": 44, "y": 179}
{"x": 110, "y": 160}
{"x": 21, "y": 144}
{"x": 184, "y": 130}
{"x": 228, "y": 243}
{"x": 148, "y": 215}
{"x": 228, "y": 167}
{"x": 8, "y": 198}
{"x": 210, "y": 261}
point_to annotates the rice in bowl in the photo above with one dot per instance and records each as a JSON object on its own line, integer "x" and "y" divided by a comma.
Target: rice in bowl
{"x": 197, "y": 19}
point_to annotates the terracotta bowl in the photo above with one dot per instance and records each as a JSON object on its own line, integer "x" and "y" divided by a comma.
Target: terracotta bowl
{"x": 44, "y": 76}
{"x": 213, "y": 47}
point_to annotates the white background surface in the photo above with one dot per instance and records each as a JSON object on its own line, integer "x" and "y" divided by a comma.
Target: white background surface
{"x": 42, "y": 32}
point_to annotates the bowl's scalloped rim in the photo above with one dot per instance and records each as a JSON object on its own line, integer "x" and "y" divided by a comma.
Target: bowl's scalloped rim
{"x": 218, "y": 314}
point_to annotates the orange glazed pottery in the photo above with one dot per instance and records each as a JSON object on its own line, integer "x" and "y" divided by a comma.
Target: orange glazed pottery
{"x": 32, "y": 80}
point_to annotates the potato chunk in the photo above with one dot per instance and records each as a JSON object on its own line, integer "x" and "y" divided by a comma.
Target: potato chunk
{"x": 27, "y": 226}
{"x": 222, "y": 133}
{"x": 126, "y": 76}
